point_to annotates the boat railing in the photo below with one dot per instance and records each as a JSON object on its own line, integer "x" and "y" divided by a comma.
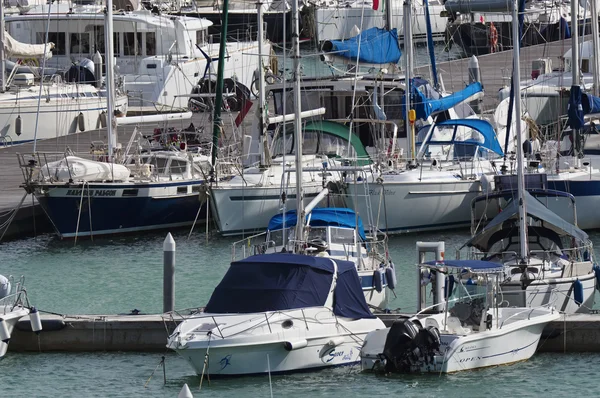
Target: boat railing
{"x": 6, "y": 141}
{"x": 250, "y": 246}
{"x": 15, "y": 297}
{"x": 525, "y": 314}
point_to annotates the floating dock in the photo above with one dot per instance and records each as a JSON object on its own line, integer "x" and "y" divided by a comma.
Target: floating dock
{"x": 148, "y": 333}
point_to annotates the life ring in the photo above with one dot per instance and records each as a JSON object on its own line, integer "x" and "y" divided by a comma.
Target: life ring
{"x": 493, "y": 38}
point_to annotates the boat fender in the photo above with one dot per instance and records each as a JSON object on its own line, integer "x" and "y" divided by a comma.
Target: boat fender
{"x": 449, "y": 286}
{"x": 4, "y": 333}
{"x": 81, "y": 122}
{"x": 34, "y": 319}
{"x": 578, "y": 291}
{"x": 48, "y": 325}
{"x": 18, "y": 125}
{"x": 295, "y": 345}
{"x": 596, "y": 269}
{"x": 378, "y": 281}
{"x": 103, "y": 118}
{"x": 390, "y": 276}
{"x": 336, "y": 341}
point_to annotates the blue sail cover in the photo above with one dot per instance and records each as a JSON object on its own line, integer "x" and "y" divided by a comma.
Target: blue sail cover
{"x": 282, "y": 281}
{"x": 490, "y": 141}
{"x": 377, "y": 46}
{"x": 425, "y": 107}
{"x": 581, "y": 104}
{"x": 321, "y": 217}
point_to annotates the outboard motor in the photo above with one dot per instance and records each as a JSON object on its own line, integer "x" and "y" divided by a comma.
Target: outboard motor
{"x": 408, "y": 346}
{"x": 82, "y": 72}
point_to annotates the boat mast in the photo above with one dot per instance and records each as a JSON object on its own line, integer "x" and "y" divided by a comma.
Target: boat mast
{"x": 110, "y": 80}
{"x": 595, "y": 40}
{"x": 407, "y": 75}
{"x": 575, "y": 65}
{"x": 2, "y": 55}
{"x": 219, "y": 95}
{"x": 297, "y": 121}
{"x": 520, "y": 166}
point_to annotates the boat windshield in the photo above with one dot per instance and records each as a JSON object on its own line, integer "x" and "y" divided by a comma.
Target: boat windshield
{"x": 314, "y": 143}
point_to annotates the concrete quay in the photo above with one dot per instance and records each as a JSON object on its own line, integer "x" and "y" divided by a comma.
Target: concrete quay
{"x": 148, "y": 333}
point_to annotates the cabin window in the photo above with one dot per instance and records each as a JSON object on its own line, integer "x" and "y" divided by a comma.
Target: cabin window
{"x": 332, "y": 145}
{"x": 150, "y": 43}
{"x": 342, "y": 236}
{"x": 585, "y": 66}
{"x": 392, "y": 105}
{"x": 310, "y": 143}
{"x": 100, "y": 43}
{"x": 132, "y": 43}
{"x": 58, "y": 38}
{"x": 201, "y": 36}
{"x": 80, "y": 43}
{"x": 160, "y": 164}
{"x": 178, "y": 166}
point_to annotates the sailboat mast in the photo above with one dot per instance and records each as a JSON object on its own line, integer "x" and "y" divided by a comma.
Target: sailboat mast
{"x": 407, "y": 74}
{"x": 575, "y": 63}
{"x": 220, "y": 73}
{"x": 261, "y": 79}
{"x": 110, "y": 80}
{"x": 298, "y": 138}
{"x": 595, "y": 39}
{"x": 2, "y": 55}
{"x": 520, "y": 165}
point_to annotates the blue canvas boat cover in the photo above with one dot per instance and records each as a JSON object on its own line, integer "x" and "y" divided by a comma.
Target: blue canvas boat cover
{"x": 536, "y": 209}
{"x": 321, "y": 217}
{"x": 377, "y": 46}
{"x": 283, "y": 281}
{"x": 581, "y": 104}
{"x": 483, "y": 127}
{"x": 425, "y": 107}
{"x": 470, "y": 265}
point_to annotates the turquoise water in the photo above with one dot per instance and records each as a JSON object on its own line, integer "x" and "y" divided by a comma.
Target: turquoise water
{"x": 119, "y": 274}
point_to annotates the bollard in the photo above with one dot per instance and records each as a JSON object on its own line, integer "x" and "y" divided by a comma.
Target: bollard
{"x": 169, "y": 274}
{"x": 474, "y": 76}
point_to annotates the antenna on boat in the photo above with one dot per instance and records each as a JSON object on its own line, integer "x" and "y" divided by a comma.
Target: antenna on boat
{"x": 520, "y": 166}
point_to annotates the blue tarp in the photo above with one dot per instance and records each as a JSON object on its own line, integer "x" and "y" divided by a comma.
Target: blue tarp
{"x": 534, "y": 208}
{"x": 321, "y": 217}
{"x": 490, "y": 141}
{"x": 281, "y": 281}
{"x": 474, "y": 265}
{"x": 377, "y": 46}
{"x": 425, "y": 107}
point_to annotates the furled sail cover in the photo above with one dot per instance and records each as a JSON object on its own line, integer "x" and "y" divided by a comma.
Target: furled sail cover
{"x": 581, "y": 104}
{"x": 283, "y": 281}
{"x": 377, "y": 46}
{"x": 483, "y": 127}
{"x": 16, "y": 49}
{"x": 321, "y": 217}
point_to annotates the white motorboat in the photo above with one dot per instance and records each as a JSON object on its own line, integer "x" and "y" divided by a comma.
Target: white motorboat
{"x": 14, "y": 305}
{"x": 342, "y": 19}
{"x": 277, "y": 313}
{"x": 463, "y": 330}
{"x": 162, "y": 59}
{"x": 336, "y": 233}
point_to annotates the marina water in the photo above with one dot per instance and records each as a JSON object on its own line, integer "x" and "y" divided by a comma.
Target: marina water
{"x": 119, "y": 274}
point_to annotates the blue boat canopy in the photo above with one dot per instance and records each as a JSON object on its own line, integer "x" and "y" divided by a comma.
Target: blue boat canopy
{"x": 469, "y": 265}
{"x": 488, "y": 139}
{"x": 425, "y": 107}
{"x": 321, "y": 217}
{"x": 283, "y": 281}
{"x": 581, "y": 104}
{"x": 377, "y": 46}
{"x": 508, "y": 218}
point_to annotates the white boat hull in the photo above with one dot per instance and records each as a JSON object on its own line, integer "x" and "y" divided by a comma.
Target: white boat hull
{"x": 10, "y": 318}
{"x": 514, "y": 342}
{"x": 416, "y": 206}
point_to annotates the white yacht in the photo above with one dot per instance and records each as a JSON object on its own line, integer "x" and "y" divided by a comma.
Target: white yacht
{"x": 342, "y": 19}
{"x": 275, "y": 313}
{"x": 465, "y": 328}
{"x": 161, "y": 58}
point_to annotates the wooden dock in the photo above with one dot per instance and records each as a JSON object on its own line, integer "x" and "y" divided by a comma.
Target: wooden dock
{"x": 149, "y": 333}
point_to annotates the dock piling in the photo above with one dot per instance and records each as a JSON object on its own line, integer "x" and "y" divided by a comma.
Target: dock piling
{"x": 169, "y": 273}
